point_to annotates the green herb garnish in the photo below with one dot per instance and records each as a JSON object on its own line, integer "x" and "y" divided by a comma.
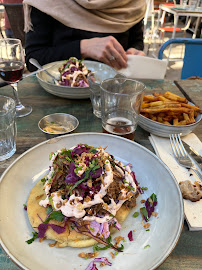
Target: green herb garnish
{"x": 43, "y": 180}
{"x": 56, "y": 215}
{"x": 49, "y": 209}
{"x": 97, "y": 248}
{"x": 80, "y": 181}
{"x": 153, "y": 197}
{"x": 146, "y": 246}
{"x": 51, "y": 202}
{"x": 144, "y": 212}
{"x": 72, "y": 226}
{"x": 35, "y": 235}
{"x": 132, "y": 188}
{"x": 144, "y": 188}
{"x": 136, "y": 214}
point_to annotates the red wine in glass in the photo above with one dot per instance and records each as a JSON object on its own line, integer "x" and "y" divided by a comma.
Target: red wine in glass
{"x": 11, "y": 71}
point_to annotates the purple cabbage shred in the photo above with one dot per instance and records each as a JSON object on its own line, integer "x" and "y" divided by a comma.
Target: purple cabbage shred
{"x": 44, "y": 226}
{"x": 92, "y": 265}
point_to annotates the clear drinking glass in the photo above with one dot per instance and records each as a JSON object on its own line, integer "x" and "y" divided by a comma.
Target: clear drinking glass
{"x": 94, "y": 79}
{"x": 7, "y": 128}
{"x": 121, "y": 100}
{"x": 12, "y": 63}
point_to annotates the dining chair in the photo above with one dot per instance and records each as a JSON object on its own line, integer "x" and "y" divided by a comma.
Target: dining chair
{"x": 192, "y": 61}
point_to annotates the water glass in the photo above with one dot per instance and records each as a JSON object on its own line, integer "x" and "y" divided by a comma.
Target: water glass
{"x": 94, "y": 79}
{"x": 7, "y": 128}
{"x": 121, "y": 100}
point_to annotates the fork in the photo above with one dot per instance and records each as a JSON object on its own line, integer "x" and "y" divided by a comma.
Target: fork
{"x": 181, "y": 154}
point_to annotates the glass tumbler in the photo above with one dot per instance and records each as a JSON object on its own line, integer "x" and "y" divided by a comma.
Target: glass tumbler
{"x": 121, "y": 100}
{"x": 7, "y": 127}
{"x": 94, "y": 79}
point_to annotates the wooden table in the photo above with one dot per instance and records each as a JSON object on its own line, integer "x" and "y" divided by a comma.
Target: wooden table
{"x": 187, "y": 253}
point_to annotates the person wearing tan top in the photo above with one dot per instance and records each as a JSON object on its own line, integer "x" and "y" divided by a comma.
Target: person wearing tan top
{"x": 102, "y": 30}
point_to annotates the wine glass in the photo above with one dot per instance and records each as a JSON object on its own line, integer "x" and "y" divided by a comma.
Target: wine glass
{"x": 12, "y": 63}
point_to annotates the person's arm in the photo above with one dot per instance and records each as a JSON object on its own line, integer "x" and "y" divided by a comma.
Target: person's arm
{"x": 39, "y": 42}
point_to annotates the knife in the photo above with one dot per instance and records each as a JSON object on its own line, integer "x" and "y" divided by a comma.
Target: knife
{"x": 194, "y": 154}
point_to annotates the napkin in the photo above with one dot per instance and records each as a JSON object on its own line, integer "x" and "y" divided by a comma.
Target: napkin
{"x": 143, "y": 67}
{"x": 162, "y": 147}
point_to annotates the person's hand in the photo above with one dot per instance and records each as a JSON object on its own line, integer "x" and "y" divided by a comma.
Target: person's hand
{"x": 135, "y": 52}
{"x": 107, "y": 50}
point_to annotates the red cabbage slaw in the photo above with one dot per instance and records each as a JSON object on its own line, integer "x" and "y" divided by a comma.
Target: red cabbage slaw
{"x": 79, "y": 170}
{"x": 73, "y": 73}
{"x": 78, "y": 184}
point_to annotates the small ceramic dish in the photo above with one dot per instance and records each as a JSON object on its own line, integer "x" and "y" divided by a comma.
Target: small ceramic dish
{"x": 58, "y": 124}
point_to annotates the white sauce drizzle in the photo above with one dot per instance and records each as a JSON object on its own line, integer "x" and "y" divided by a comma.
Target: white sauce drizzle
{"x": 75, "y": 206}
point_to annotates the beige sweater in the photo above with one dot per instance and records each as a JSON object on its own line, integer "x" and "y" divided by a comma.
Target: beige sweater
{"x": 107, "y": 16}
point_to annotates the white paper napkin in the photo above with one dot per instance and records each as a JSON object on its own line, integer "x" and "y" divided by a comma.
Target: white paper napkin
{"x": 162, "y": 147}
{"x": 143, "y": 67}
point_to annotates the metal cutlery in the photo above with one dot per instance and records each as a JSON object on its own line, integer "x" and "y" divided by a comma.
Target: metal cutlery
{"x": 181, "y": 155}
{"x": 36, "y": 64}
{"x": 193, "y": 154}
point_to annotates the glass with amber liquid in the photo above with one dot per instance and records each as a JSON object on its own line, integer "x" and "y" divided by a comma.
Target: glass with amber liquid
{"x": 121, "y": 100}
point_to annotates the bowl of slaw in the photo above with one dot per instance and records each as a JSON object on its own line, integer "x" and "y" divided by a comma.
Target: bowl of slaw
{"x": 66, "y": 88}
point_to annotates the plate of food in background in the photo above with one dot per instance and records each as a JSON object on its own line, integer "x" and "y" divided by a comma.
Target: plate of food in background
{"x": 168, "y": 113}
{"x": 72, "y": 77}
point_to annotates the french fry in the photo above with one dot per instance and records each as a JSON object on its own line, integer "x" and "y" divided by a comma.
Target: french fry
{"x": 183, "y": 122}
{"x": 150, "y": 98}
{"x": 156, "y": 94}
{"x": 160, "y": 119}
{"x": 186, "y": 116}
{"x": 169, "y": 109}
{"x": 174, "y": 97}
{"x": 157, "y": 110}
{"x": 166, "y": 123}
{"x": 191, "y": 116}
{"x": 175, "y": 121}
{"x": 156, "y": 103}
{"x": 190, "y": 106}
{"x": 162, "y": 98}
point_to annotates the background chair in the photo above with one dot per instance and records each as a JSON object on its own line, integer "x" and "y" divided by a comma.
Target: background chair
{"x": 192, "y": 61}
{"x": 16, "y": 18}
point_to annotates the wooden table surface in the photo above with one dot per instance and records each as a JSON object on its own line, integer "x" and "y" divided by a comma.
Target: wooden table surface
{"x": 188, "y": 251}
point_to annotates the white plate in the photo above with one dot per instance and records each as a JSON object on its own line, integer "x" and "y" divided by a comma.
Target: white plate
{"x": 67, "y": 91}
{"x": 163, "y": 130}
{"x": 18, "y": 180}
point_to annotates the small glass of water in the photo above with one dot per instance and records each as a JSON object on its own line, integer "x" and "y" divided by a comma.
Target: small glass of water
{"x": 94, "y": 79}
{"x": 121, "y": 101}
{"x": 7, "y": 127}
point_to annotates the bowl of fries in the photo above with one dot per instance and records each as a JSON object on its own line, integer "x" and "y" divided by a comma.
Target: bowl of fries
{"x": 163, "y": 114}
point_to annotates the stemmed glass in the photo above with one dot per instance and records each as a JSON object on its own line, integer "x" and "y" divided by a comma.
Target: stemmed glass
{"x": 12, "y": 63}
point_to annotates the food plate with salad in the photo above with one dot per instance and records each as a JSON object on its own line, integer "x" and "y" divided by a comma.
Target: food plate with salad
{"x": 71, "y": 75}
{"x": 134, "y": 228}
